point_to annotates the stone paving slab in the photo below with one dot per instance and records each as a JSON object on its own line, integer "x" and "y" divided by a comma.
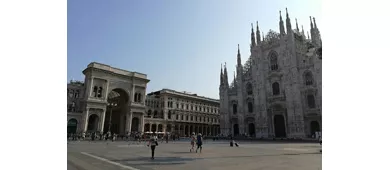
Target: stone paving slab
{"x": 215, "y": 156}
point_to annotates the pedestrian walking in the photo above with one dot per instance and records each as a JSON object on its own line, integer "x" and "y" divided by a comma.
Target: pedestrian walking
{"x": 153, "y": 143}
{"x": 193, "y": 139}
{"x": 199, "y": 142}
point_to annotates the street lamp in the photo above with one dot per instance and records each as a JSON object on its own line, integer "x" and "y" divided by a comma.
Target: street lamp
{"x": 111, "y": 105}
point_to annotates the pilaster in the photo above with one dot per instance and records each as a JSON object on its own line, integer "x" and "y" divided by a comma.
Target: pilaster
{"x": 102, "y": 119}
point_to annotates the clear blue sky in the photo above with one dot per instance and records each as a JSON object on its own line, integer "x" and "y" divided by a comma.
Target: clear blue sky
{"x": 179, "y": 44}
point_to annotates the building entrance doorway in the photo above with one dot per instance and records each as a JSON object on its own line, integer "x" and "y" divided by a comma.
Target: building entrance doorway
{"x": 280, "y": 127}
{"x": 314, "y": 127}
{"x": 72, "y": 126}
{"x": 236, "y": 130}
{"x": 251, "y": 129}
{"x": 115, "y": 120}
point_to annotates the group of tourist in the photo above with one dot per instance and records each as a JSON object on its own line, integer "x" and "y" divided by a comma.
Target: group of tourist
{"x": 198, "y": 139}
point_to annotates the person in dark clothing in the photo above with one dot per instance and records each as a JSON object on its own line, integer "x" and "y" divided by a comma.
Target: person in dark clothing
{"x": 199, "y": 142}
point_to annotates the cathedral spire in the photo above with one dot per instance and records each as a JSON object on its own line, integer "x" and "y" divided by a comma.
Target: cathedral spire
{"x": 311, "y": 23}
{"x": 238, "y": 56}
{"x": 288, "y": 23}
{"x": 281, "y": 24}
{"x": 258, "y": 33}
{"x": 253, "y": 40}
{"x": 296, "y": 24}
{"x": 226, "y": 75}
{"x": 303, "y": 33}
{"x": 234, "y": 76}
{"x": 221, "y": 81}
{"x": 315, "y": 25}
{"x": 308, "y": 35}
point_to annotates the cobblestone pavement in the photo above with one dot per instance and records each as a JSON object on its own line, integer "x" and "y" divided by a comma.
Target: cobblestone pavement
{"x": 177, "y": 156}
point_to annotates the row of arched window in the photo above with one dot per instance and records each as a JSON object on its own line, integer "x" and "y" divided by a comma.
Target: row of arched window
{"x": 182, "y": 117}
{"x": 309, "y": 98}
{"x": 308, "y": 78}
{"x": 249, "y": 104}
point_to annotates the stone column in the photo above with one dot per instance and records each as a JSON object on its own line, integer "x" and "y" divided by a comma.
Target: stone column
{"x": 164, "y": 128}
{"x": 106, "y": 95}
{"x": 102, "y": 119}
{"x": 89, "y": 88}
{"x": 142, "y": 123}
{"x": 85, "y": 118}
{"x": 128, "y": 122}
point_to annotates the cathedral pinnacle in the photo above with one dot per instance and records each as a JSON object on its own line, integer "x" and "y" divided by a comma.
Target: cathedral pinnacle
{"x": 311, "y": 23}
{"x": 238, "y": 55}
{"x": 221, "y": 81}
{"x": 288, "y": 23}
{"x": 281, "y": 24}
{"x": 315, "y": 25}
{"x": 253, "y": 40}
{"x": 258, "y": 33}
{"x": 296, "y": 23}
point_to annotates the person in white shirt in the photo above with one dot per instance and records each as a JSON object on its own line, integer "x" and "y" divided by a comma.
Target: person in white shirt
{"x": 153, "y": 143}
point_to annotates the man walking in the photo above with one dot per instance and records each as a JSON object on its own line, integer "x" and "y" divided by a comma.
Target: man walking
{"x": 153, "y": 143}
{"x": 199, "y": 142}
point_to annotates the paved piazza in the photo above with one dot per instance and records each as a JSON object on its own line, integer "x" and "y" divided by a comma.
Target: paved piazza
{"x": 176, "y": 156}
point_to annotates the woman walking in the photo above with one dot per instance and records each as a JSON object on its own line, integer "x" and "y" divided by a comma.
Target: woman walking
{"x": 193, "y": 139}
{"x": 153, "y": 143}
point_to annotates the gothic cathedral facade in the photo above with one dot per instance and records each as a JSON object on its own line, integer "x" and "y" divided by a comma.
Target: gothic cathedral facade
{"x": 277, "y": 93}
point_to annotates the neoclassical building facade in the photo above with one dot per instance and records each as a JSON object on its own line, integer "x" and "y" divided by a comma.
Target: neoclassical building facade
{"x": 109, "y": 99}
{"x": 181, "y": 113}
{"x": 115, "y": 100}
{"x": 277, "y": 92}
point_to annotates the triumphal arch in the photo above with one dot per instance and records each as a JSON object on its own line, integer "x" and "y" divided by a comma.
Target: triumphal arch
{"x": 114, "y": 100}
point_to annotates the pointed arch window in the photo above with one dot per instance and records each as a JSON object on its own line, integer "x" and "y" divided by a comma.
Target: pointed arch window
{"x": 274, "y": 61}
{"x": 308, "y": 79}
{"x": 234, "y": 108}
{"x": 311, "y": 101}
{"x": 275, "y": 89}
{"x": 169, "y": 114}
{"x": 250, "y": 107}
{"x": 249, "y": 89}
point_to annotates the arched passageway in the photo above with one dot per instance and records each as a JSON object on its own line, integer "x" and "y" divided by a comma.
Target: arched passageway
{"x": 314, "y": 127}
{"x": 93, "y": 123}
{"x": 147, "y": 127}
{"x": 72, "y": 126}
{"x": 236, "y": 130}
{"x": 280, "y": 127}
{"x": 160, "y": 128}
{"x": 251, "y": 129}
{"x": 115, "y": 119}
{"x": 154, "y": 127}
{"x": 135, "y": 124}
